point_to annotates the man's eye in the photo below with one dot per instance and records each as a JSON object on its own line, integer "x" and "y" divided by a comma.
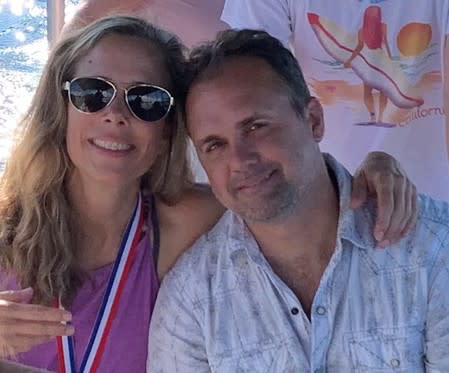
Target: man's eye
{"x": 255, "y": 126}
{"x": 212, "y": 146}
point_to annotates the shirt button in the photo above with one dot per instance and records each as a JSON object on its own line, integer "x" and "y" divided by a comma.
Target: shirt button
{"x": 395, "y": 363}
{"x": 320, "y": 310}
{"x": 294, "y": 311}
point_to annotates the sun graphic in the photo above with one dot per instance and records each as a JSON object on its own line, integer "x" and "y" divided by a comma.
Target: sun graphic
{"x": 414, "y": 38}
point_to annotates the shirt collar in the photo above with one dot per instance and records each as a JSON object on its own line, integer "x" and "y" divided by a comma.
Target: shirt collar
{"x": 354, "y": 225}
{"x": 243, "y": 241}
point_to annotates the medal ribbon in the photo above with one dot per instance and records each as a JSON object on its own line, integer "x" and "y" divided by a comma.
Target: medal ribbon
{"x": 110, "y": 303}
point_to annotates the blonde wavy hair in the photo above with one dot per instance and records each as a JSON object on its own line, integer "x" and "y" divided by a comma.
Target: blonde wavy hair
{"x": 38, "y": 227}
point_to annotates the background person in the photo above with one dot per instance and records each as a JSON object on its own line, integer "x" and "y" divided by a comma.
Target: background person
{"x": 193, "y": 21}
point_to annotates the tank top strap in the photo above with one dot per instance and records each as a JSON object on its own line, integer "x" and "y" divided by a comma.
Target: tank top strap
{"x": 154, "y": 221}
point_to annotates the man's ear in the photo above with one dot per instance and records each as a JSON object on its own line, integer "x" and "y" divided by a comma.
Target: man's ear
{"x": 315, "y": 118}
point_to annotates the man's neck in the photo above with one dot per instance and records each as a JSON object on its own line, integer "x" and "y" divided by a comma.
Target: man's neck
{"x": 300, "y": 247}
{"x": 306, "y": 231}
{"x": 103, "y": 213}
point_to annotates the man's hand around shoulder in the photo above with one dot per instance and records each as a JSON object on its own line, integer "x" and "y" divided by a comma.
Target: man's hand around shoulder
{"x": 381, "y": 176}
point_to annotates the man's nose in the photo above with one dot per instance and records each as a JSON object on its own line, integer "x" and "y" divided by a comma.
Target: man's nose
{"x": 243, "y": 155}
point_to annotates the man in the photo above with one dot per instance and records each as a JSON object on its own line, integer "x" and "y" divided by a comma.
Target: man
{"x": 290, "y": 279}
{"x": 379, "y": 64}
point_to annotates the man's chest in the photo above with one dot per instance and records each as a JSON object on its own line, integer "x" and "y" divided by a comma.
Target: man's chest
{"x": 256, "y": 323}
{"x": 303, "y": 279}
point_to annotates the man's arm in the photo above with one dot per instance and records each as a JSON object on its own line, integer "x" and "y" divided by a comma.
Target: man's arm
{"x": 437, "y": 317}
{"x": 272, "y": 16}
{"x": 176, "y": 342}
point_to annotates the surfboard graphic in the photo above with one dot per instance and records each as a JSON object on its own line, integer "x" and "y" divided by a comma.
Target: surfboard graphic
{"x": 373, "y": 66}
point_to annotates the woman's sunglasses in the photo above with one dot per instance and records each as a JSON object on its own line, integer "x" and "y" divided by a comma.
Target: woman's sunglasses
{"x": 146, "y": 102}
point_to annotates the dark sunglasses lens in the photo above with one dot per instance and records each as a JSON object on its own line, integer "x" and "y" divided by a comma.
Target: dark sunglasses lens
{"x": 90, "y": 95}
{"x": 148, "y": 103}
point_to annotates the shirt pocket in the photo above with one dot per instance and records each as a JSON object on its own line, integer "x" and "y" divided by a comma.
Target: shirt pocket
{"x": 281, "y": 356}
{"x": 387, "y": 350}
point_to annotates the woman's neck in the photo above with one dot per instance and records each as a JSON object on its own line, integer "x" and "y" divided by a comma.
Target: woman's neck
{"x": 103, "y": 214}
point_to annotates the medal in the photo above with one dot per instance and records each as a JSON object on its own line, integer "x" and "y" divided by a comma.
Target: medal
{"x": 109, "y": 306}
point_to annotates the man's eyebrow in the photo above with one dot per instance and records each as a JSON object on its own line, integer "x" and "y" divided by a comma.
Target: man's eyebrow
{"x": 241, "y": 124}
{"x": 208, "y": 139}
{"x": 250, "y": 119}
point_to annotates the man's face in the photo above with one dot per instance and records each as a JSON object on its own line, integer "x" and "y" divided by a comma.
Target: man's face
{"x": 259, "y": 155}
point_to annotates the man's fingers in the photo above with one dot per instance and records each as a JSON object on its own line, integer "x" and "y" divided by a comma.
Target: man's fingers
{"x": 399, "y": 214}
{"x": 413, "y": 212}
{"x": 384, "y": 190}
{"x": 359, "y": 193}
{"x": 408, "y": 209}
{"x": 396, "y": 212}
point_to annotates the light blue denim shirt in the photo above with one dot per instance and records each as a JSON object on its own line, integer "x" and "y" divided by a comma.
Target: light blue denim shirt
{"x": 223, "y": 309}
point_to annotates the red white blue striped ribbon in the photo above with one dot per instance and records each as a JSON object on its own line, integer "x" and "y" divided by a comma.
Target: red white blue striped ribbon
{"x": 110, "y": 303}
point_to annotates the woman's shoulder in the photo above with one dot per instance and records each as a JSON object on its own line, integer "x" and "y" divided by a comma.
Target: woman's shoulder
{"x": 197, "y": 205}
{"x": 182, "y": 223}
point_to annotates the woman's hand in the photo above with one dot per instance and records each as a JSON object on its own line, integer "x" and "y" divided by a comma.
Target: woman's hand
{"x": 24, "y": 325}
{"x": 380, "y": 175}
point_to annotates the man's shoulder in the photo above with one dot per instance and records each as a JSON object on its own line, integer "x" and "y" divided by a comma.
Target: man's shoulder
{"x": 430, "y": 237}
{"x": 208, "y": 252}
{"x": 432, "y": 219}
{"x": 433, "y": 223}
{"x": 427, "y": 242}
{"x": 433, "y": 211}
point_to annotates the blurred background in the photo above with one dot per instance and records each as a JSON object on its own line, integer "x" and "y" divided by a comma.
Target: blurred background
{"x": 23, "y": 52}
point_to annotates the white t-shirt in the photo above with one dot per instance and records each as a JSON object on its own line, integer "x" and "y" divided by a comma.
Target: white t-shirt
{"x": 389, "y": 96}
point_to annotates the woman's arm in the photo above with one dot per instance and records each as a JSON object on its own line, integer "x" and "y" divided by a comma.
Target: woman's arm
{"x": 182, "y": 224}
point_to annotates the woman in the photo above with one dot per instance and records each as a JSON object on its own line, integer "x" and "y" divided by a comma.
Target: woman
{"x": 96, "y": 202}
{"x": 72, "y": 184}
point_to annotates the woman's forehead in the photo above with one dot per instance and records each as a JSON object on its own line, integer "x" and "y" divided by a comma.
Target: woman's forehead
{"x": 126, "y": 59}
